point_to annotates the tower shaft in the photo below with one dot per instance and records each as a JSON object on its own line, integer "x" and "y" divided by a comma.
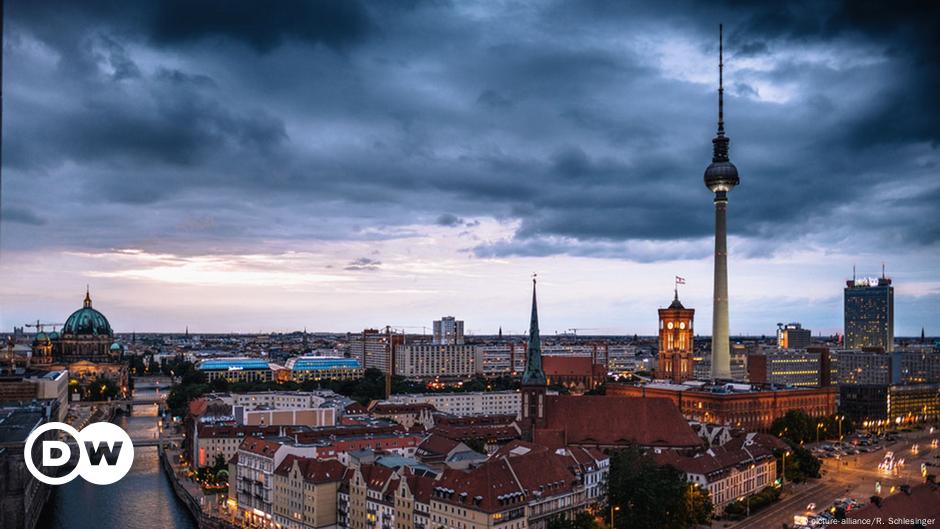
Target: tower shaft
{"x": 721, "y": 354}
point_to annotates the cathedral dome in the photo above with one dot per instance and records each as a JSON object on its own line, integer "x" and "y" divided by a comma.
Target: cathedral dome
{"x": 87, "y": 321}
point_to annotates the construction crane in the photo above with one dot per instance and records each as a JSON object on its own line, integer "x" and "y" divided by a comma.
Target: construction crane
{"x": 39, "y": 325}
{"x": 574, "y": 330}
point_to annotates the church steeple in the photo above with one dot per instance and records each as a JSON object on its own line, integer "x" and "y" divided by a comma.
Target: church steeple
{"x": 534, "y": 375}
{"x": 87, "y": 303}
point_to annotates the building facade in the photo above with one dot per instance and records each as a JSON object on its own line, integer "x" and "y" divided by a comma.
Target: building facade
{"x": 869, "y": 313}
{"x": 426, "y": 361}
{"x": 466, "y": 404}
{"x": 676, "y": 342}
{"x": 236, "y": 369}
{"x": 811, "y": 368}
{"x": 304, "y": 368}
{"x": 740, "y": 406}
{"x": 448, "y": 331}
{"x": 793, "y": 336}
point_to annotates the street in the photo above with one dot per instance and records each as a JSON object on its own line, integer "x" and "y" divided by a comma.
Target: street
{"x": 853, "y": 476}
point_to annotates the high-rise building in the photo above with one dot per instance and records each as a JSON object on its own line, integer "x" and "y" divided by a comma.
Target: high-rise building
{"x": 374, "y": 348}
{"x": 448, "y": 331}
{"x": 869, "y": 313}
{"x": 721, "y": 176}
{"x": 793, "y": 336}
{"x": 676, "y": 340}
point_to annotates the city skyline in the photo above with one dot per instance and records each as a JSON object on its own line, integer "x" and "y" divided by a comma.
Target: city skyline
{"x": 351, "y": 188}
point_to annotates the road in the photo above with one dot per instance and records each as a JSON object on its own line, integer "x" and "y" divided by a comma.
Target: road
{"x": 854, "y": 477}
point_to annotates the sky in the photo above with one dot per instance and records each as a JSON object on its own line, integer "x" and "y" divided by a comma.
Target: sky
{"x": 241, "y": 166}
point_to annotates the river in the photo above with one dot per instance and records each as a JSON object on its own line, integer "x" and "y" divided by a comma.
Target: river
{"x": 144, "y": 499}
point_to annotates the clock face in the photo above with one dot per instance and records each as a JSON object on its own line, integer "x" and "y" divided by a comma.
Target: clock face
{"x": 669, "y": 325}
{"x": 682, "y": 325}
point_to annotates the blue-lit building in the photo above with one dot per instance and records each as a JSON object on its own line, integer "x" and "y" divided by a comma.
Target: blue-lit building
{"x": 237, "y": 369}
{"x": 324, "y": 368}
{"x": 869, "y": 313}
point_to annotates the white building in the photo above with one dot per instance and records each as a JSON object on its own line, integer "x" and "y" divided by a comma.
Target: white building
{"x": 448, "y": 331}
{"x": 430, "y": 361}
{"x": 500, "y": 359}
{"x": 475, "y": 403}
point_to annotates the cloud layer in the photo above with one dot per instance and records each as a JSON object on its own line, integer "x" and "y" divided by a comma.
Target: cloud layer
{"x": 555, "y": 130}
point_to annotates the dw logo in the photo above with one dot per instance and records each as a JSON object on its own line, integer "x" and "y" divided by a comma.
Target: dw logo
{"x": 105, "y": 453}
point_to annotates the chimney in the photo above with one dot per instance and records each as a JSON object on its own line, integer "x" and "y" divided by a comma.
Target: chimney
{"x": 876, "y": 501}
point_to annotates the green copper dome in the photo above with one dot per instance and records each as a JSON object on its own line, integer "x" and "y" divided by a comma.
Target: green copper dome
{"x": 87, "y": 321}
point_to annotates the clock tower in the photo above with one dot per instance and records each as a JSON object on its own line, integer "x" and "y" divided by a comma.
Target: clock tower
{"x": 676, "y": 340}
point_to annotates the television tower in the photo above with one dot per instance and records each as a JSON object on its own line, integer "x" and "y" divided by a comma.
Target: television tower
{"x": 720, "y": 177}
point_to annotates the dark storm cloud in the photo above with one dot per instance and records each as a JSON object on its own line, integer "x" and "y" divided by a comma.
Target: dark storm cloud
{"x": 245, "y": 122}
{"x": 363, "y": 264}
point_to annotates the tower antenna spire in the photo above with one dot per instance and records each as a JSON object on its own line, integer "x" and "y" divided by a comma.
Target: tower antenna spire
{"x": 721, "y": 80}
{"x": 720, "y": 141}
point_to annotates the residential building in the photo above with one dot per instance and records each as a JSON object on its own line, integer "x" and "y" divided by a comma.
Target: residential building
{"x": 741, "y": 467}
{"x": 501, "y": 359}
{"x": 374, "y": 348}
{"x": 305, "y": 492}
{"x": 448, "y": 331}
{"x": 22, "y": 496}
{"x": 428, "y": 361}
{"x": 463, "y": 404}
{"x": 407, "y": 415}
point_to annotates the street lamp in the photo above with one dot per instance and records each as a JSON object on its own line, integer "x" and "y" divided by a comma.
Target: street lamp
{"x": 612, "y": 510}
{"x": 840, "y": 418}
{"x": 783, "y": 477}
{"x": 818, "y": 426}
{"x": 747, "y": 500}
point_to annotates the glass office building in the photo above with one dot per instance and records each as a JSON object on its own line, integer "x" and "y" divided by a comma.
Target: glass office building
{"x": 869, "y": 313}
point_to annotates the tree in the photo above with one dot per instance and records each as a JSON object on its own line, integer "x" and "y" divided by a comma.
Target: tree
{"x": 582, "y": 520}
{"x": 653, "y": 496}
{"x": 797, "y": 426}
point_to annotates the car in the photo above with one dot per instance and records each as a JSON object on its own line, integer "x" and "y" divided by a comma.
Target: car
{"x": 811, "y": 507}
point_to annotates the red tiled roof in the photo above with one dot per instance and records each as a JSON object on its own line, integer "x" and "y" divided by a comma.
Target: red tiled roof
{"x": 214, "y": 431}
{"x": 716, "y": 461}
{"x": 260, "y": 446}
{"x": 922, "y": 501}
{"x": 503, "y": 432}
{"x": 313, "y": 470}
{"x": 606, "y": 420}
{"x": 567, "y": 365}
{"x": 197, "y": 407}
{"x": 437, "y": 445}
{"x": 356, "y": 409}
{"x": 376, "y": 477}
{"x": 505, "y": 481}
{"x": 491, "y": 487}
{"x": 421, "y": 487}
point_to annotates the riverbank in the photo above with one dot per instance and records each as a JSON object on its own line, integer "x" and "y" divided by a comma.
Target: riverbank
{"x": 195, "y": 502}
